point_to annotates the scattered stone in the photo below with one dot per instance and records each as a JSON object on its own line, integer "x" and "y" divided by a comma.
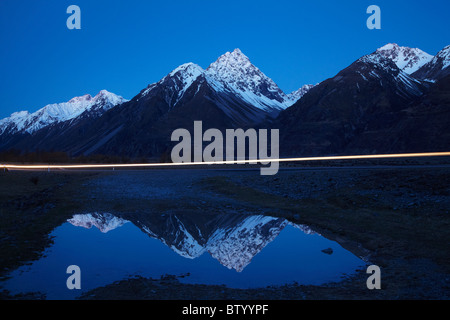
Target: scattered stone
{"x": 328, "y": 251}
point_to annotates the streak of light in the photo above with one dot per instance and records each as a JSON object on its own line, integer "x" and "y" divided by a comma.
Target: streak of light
{"x": 247, "y": 161}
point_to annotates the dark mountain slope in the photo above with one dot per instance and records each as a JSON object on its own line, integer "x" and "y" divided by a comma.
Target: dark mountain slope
{"x": 369, "y": 107}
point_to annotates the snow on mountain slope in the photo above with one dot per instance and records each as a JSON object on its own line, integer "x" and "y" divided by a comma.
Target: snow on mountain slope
{"x": 235, "y": 248}
{"x": 177, "y": 82}
{"x": 437, "y": 68}
{"x": 105, "y": 222}
{"x": 444, "y": 55}
{"x": 304, "y": 228}
{"x": 186, "y": 246}
{"x": 233, "y": 242}
{"x": 16, "y": 121}
{"x": 407, "y": 59}
{"x": 383, "y": 69}
{"x": 175, "y": 235}
{"x": 58, "y": 112}
{"x": 296, "y": 95}
{"x": 234, "y": 73}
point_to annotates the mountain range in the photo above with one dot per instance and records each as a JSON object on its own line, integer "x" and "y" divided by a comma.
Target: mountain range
{"x": 374, "y": 106}
{"x": 395, "y": 99}
{"x": 23, "y": 121}
{"x": 231, "y": 239}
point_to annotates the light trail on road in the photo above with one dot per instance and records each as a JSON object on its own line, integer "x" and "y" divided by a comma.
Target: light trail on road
{"x": 248, "y": 161}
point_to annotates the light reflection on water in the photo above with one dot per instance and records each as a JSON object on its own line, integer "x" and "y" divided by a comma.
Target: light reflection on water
{"x": 240, "y": 251}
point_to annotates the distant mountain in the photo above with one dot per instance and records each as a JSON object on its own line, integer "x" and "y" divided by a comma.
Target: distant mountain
{"x": 231, "y": 239}
{"x": 230, "y": 93}
{"x": 233, "y": 73}
{"x": 105, "y": 222}
{"x": 296, "y": 95}
{"x": 372, "y": 106}
{"x": 25, "y": 122}
{"x": 238, "y": 88}
{"x": 407, "y": 59}
{"x": 436, "y": 68}
{"x": 235, "y": 246}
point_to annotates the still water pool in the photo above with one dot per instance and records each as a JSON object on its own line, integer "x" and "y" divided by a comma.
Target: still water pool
{"x": 239, "y": 251}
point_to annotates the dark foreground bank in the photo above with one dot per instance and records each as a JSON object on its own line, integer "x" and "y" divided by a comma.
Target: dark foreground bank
{"x": 395, "y": 217}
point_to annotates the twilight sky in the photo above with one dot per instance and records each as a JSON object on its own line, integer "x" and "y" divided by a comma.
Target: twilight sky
{"x": 125, "y": 45}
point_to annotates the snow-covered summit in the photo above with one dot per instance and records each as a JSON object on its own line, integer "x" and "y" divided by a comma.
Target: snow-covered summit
{"x": 183, "y": 77}
{"x": 187, "y": 71}
{"x": 437, "y": 68}
{"x": 105, "y": 222}
{"x": 297, "y": 94}
{"x": 383, "y": 69}
{"x": 24, "y": 121}
{"x": 235, "y": 68}
{"x": 176, "y": 82}
{"x": 444, "y": 56}
{"x": 233, "y": 72}
{"x": 108, "y": 99}
{"x": 407, "y": 59}
{"x": 235, "y": 247}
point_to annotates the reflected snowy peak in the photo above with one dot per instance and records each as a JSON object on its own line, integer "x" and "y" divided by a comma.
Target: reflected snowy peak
{"x": 105, "y": 222}
{"x": 231, "y": 239}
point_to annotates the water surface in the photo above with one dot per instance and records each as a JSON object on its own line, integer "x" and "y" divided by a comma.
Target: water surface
{"x": 239, "y": 251}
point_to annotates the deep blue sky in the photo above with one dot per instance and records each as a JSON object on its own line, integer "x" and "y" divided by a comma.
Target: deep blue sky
{"x": 125, "y": 45}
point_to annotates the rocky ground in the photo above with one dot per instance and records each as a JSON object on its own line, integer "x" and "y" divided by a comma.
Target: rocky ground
{"x": 394, "y": 215}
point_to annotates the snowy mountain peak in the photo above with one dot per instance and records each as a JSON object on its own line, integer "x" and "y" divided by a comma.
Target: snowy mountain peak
{"x": 231, "y": 59}
{"x": 374, "y": 62}
{"x": 20, "y": 114}
{"x": 235, "y": 247}
{"x": 296, "y": 95}
{"x": 185, "y": 74}
{"x": 407, "y": 59}
{"x": 233, "y": 72}
{"x": 188, "y": 69}
{"x": 86, "y": 97}
{"x": 105, "y": 93}
{"x": 444, "y": 56}
{"x": 58, "y": 112}
{"x": 436, "y": 68}
{"x": 238, "y": 51}
{"x": 177, "y": 82}
{"x": 106, "y": 100}
{"x": 381, "y": 67}
{"x": 104, "y": 222}
{"x": 234, "y": 66}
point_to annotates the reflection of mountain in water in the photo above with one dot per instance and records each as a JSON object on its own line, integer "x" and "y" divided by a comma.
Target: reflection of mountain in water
{"x": 231, "y": 239}
{"x": 236, "y": 246}
{"x": 103, "y": 221}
